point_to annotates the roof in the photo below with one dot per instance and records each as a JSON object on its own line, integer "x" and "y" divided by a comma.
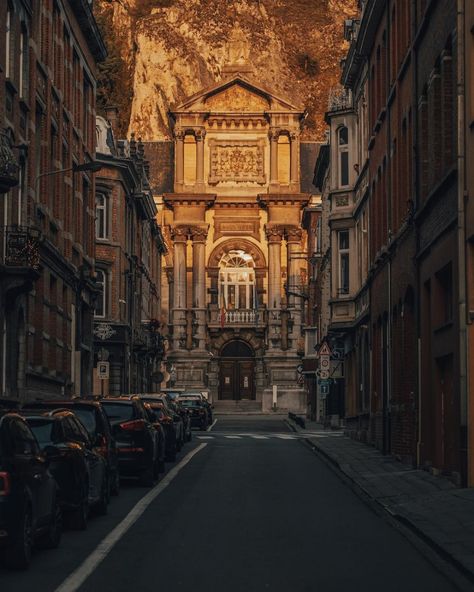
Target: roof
{"x": 199, "y": 97}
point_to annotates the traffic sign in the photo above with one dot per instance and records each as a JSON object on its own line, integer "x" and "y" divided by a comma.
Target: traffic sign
{"x": 324, "y": 389}
{"x": 103, "y": 370}
{"x": 324, "y": 350}
{"x": 324, "y": 374}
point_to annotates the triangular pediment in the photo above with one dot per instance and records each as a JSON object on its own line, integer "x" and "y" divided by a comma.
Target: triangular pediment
{"x": 236, "y": 94}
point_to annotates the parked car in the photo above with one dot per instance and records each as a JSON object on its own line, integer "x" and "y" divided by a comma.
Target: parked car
{"x": 135, "y": 437}
{"x": 186, "y": 417}
{"x": 159, "y": 414}
{"x": 200, "y": 397}
{"x": 80, "y": 471}
{"x": 160, "y": 439}
{"x": 29, "y": 506}
{"x": 198, "y": 412}
{"x": 92, "y": 415}
{"x": 172, "y": 412}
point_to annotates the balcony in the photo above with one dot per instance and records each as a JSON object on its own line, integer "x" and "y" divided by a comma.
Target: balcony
{"x": 20, "y": 247}
{"x": 340, "y": 99}
{"x": 236, "y": 318}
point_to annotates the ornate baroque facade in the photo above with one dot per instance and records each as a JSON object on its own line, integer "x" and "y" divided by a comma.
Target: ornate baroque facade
{"x": 236, "y": 248}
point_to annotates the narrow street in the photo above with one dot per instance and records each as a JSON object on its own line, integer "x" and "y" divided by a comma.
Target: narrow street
{"x": 254, "y": 509}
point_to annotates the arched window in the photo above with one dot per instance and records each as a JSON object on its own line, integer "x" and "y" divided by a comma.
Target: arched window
{"x": 343, "y": 150}
{"x": 101, "y": 302}
{"x": 237, "y": 281}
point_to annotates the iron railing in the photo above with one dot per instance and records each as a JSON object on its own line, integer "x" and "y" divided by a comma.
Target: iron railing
{"x": 20, "y": 246}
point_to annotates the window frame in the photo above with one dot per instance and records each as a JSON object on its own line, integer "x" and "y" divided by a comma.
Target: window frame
{"x": 343, "y": 255}
{"x": 342, "y": 149}
{"x": 104, "y": 292}
{"x": 101, "y": 216}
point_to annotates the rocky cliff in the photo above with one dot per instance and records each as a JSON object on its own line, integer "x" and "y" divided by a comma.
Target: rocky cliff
{"x": 161, "y": 51}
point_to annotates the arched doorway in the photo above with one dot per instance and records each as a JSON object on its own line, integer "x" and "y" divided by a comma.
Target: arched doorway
{"x": 237, "y": 371}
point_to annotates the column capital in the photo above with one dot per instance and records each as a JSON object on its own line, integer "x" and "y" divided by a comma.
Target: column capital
{"x": 199, "y": 134}
{"x": 294, "y": 135}
{"x": 274, "y": 233}
{"x": 198, "y": 233}
{"x": 179, "y": 134}
{"x": 179, "y": 234}
{"x": 274, "y": 133}
{"x": 293, "y": 234}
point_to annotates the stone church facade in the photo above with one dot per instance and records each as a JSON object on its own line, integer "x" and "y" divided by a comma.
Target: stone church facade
{"x": 236, "y": 250}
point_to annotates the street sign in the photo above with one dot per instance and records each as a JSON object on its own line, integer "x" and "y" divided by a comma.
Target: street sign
{"x": 324, "y": 350}
{"x": 324, "y": 390}
{"x": 103, "y": 370}
{"x": 324, "y": 374}
{"x": 337, "y": 369}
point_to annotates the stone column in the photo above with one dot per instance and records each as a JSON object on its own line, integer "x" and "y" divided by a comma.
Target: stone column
{"x": 200, "y": 134}
{"x": 274, "y": 237}
{"x": 179, "y": 157}
{"x": 294, "y": 148}
{"x": 273, "y": 136}
{"x": 179, "y": 235}
{"x": 293, "y": 238}
{"x": 199, "y": 236}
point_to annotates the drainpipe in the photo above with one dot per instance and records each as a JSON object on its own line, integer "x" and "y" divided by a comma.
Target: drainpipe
{"x": 461, "y": 236}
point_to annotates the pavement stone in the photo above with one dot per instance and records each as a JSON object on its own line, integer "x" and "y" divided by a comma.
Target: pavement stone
{"x": 432, "y": 506}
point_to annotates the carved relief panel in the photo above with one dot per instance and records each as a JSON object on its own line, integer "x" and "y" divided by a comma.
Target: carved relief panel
{"x": 237, "y": 161}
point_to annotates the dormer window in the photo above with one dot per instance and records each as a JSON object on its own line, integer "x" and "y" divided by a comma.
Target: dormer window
{"x": 343, "y": 155}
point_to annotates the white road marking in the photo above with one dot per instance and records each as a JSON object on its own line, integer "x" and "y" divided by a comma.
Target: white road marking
{"x": 75, "y": 580}
{"x": 205, "y": 437}
{"x": 260, "y": 437}
{"x": 233, "y": 437}
{"x": 212, "y": 425}
{"x": 285, "y": 437}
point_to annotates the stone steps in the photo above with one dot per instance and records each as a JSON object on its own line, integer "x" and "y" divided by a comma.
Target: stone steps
{"x": 242, "y": 406}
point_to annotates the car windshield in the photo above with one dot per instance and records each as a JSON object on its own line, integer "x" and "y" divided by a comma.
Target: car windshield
{"x": 42, "y": 428}
{"x": 87, "y": 418}
{"x": 191, "y": 402}
{"x": 120, "y": 411}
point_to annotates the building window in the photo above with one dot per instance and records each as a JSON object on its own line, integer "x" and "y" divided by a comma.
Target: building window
{"x": 101, "y": 302}
{"x": 343, "y": 149}
{"x": 237, "y": 281}
{"x": 101, "y": 226}
{"x": 343, "y": 240}
{"x": 445, "y": 294}
{"x": 23, "y": 86}
{"x": 8, "y": 43}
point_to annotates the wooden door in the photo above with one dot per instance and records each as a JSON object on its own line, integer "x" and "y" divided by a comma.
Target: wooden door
{"x": 245, "y": 379}
{"x": 227, "y": 380}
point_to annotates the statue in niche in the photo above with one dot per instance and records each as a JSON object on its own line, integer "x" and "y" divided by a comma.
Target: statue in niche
{"x": 238, "y": 50}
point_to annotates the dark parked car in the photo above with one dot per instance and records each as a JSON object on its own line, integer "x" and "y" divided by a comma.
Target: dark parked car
{"x": 159, "y": 414}
{"x": 186, "y": 417}
{"x": 135, "y": 437}
{"x": 197, "y": 411}
{"x": 29, "y": 507}
{"x": 92, "y": 415}
{"x": 160, "y": 439}
{"x": 80, "y": 471}
{"x": 200, "y": 397}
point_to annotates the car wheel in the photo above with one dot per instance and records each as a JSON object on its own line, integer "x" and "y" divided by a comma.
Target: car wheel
{"x": 115, "y": 488}
{"x": 52, "y": 538}
{"x": 102, "y": 506}
{"x": 18, "y": 552}
{"x": 147, "y": 477}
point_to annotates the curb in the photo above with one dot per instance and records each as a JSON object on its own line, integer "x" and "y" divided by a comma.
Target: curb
{"x": 441, "y": 551}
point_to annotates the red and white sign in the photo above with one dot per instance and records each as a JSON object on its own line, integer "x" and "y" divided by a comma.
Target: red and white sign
{"x": 324, "y": 350}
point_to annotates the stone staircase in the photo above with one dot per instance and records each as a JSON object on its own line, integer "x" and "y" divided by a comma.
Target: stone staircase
{"x": 235, "y": 407}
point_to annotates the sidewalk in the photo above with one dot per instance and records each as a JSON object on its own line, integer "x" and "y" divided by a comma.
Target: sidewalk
{"x": 438, "y": 511}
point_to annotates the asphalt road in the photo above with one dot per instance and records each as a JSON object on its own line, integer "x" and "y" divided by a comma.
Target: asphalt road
{"x": 252, "y": 510}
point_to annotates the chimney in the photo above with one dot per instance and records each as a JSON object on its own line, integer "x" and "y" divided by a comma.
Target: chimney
{"x": 111, "y": 114}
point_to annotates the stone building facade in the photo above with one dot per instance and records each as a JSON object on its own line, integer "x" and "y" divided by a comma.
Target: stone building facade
{"x": 129, "y": 247}
{"x": 236, "y": 261}
{"x": 48, "y": 56}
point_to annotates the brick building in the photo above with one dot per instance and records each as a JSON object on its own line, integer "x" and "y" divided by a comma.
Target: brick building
{"x": 129, "y": 248}
{"x": 48, "y": 56}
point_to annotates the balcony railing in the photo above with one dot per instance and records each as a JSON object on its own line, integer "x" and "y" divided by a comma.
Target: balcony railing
{"x": 238, "y": 317}
{"x": 340, "y": 99}
{"x": 20, "y": 247}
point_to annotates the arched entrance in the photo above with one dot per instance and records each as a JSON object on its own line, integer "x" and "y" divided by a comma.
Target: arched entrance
{"x": 237, "y": 371}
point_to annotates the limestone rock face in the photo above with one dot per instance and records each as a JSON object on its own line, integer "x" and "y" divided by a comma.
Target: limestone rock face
{"x": 174, "y": 48}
